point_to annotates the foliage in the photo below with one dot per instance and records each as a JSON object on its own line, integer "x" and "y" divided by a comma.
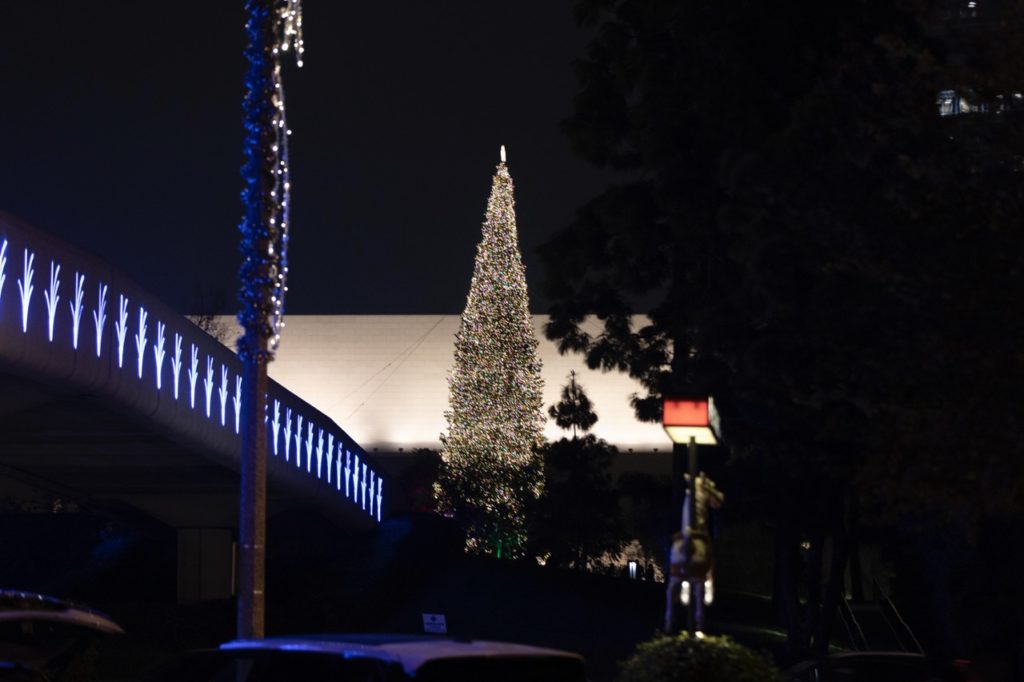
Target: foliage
{"x": 491, "y": 467}
{"x": 685, "y": 658}
{"x": 577, "y": 520}
{"x": 808, "y": 237}
{"x": 645, "y": 498}
{"x": 417, "y": 479}
{"x": 217, "y": 326}
{"x": 574, "y": 411}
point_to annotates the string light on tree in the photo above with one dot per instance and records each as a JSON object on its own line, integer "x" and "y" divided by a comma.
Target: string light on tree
{"x": 273, "y": 27}
{"x": 265, "y": 271}
{"x": 495, "y": 421}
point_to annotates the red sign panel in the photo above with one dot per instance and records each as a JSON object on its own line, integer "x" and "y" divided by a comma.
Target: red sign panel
{"x": 683, "y": 412}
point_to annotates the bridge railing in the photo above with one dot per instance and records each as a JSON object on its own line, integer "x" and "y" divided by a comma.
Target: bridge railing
{"x": 70, "y": 320}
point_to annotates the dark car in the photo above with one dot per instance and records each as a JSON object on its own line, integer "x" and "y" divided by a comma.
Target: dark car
{"x": 40, "y": 636}
{"x": 878, "y": 666}
{"x": 372, "y": 658}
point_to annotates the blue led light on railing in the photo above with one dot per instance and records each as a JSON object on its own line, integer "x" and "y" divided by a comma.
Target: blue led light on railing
{"x": 276, "y": 424}
{"x": 158, "y": 354}
{"x": 140, "y": 339}
{"x": 99, "y": 316}
{"x": 309, "y": 447}
{"x": 51, "y": 296}
{"x": 362, "y": 485}
{"x": 3, "y": 267}
{"x": 121, "y": 327}
{"x": 208, "y": 385}
{"x": 222, "y": 392}
{"x": 76, "y": 308}
{"x": 348, "y": 471}
{"x": 193, "y": 376}
{"x": 319, "y": 451}
{"x": 338, "y": 472}
{"x": 176, "y": 363}
{"x": 330, "y": 455}
{"x": 287, "y": 433}
{"x": 373, "y": 478}
{"x": 380, "y": 497}
{"x": 25, "y": 288}
{"x": 355, "y": 480}
{"x": 237, "y": 400}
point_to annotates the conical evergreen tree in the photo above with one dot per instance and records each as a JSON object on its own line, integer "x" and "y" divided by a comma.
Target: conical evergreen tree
{"x": 574, "y": 411}
{"x": 495, "y": 419}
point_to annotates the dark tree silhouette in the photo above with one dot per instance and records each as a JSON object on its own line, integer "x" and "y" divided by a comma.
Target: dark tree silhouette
{"x": 577, "y": 520}
{"x": 574, "y": 410}
{"x": 807, "y": 236}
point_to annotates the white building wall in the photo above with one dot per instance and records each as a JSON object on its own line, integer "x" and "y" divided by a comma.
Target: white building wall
{"x": 383, "y": 378}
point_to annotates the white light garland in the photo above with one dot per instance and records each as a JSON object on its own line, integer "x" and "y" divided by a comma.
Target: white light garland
{"x": 290, "y": 16}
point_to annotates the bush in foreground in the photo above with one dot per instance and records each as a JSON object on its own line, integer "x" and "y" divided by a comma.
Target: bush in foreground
{"x": 690, "y": 659}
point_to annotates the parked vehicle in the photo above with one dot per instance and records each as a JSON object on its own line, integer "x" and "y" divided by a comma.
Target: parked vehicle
{"x": 879, "y": 666}
{"x": 40, "y": 636}
{"x": 372, "y": 658}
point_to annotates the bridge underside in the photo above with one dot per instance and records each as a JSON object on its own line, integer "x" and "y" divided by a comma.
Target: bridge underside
{"x": 73, "y": 446}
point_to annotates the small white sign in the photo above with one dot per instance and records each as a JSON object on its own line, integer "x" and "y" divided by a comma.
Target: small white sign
{"x": 434, "y": 623}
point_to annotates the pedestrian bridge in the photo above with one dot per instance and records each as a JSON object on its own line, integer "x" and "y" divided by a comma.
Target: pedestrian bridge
{"x": 107, "y": 393}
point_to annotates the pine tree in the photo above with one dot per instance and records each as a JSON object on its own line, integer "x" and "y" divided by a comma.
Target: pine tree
{"x": 574, "y": 411}
{"x": 577, "y": 520}
{"x": 491, "y": 467}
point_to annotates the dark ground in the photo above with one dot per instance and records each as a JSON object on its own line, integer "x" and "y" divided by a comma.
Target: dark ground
{"x": 381, "y": 582}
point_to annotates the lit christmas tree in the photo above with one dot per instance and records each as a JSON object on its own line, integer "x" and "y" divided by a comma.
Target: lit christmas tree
{"x": 490, "y": 453}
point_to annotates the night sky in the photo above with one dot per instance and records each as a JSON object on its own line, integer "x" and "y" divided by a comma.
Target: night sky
{"x": 122, "y": 134}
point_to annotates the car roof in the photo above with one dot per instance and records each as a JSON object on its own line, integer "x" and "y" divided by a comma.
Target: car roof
{"x": 409, "y": 651}
{"x": 19, "y": 606}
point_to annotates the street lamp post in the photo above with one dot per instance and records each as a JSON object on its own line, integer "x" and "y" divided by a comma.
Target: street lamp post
{"x": 691, "y": 421}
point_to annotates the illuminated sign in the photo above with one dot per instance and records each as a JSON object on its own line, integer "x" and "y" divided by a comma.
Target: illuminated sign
{"x": 686, "y": 418}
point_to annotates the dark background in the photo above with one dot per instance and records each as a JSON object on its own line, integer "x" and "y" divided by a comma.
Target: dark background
{"x": 122, "y": 134}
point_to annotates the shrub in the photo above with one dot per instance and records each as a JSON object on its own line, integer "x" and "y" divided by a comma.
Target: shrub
{"x": 690, "y": 659}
